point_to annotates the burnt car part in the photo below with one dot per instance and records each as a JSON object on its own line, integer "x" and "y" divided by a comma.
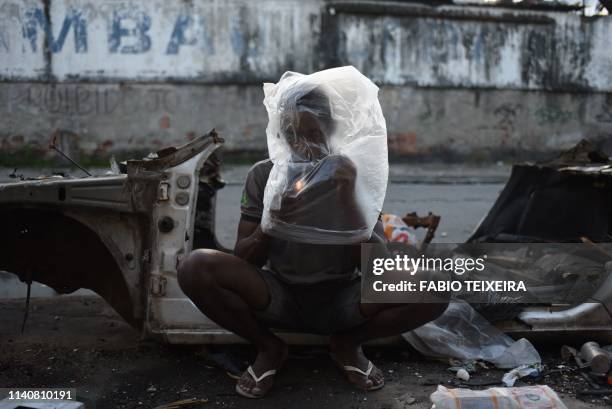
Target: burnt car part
{"x": 53, "y": 145}
{"x": 100, "y": 233}
{"x": 431, "y": 222}
{"x": 566, "y": 200}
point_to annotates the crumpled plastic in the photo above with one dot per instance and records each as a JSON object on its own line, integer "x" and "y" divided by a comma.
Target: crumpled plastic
{"x": 462, "y": 333}
{"x": 327, "y": 140}
{"x": 510, "y": 377}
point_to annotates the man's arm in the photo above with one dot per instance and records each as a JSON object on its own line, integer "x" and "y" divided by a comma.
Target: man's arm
{"x": 252, "y": 244}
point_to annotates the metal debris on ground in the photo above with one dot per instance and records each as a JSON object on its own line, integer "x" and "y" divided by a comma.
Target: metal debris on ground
{"x": 593, "y": 366}
{"x": 182, "y": 403}
{"x": 595, "y": 357}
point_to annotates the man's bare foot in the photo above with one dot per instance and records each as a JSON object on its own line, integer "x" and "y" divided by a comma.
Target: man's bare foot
{"x": 347, "y": 353}
{"x": 270, "y": 358}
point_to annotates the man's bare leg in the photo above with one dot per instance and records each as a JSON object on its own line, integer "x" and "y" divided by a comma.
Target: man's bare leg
{"x": 385, "y": 320}
{"x": 227, "y": 289}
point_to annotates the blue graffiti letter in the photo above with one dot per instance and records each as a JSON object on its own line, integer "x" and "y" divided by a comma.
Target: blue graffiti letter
{"x": 245, "y": 41}
{"x": 178, "y": 35}
{"x": 35, "y": 17}
{"x": 140, "y": 24}
{"x": 194, "y": 26}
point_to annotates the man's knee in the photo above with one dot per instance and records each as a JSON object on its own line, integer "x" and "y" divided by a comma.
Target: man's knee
{"x": 198, "y": 270}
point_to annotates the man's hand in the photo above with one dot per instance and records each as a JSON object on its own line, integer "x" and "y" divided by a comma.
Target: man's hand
{"x": 252, "y": 244}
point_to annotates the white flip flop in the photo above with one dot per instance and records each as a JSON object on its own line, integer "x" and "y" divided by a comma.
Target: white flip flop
{"x": 257, "y": 379}
{"x": 366, "y": 373}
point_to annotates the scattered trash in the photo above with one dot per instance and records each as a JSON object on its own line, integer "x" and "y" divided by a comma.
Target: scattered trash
{"x": 595, "y": 357}
{"x": 182, "y": 403}
{"x": 397, "y": 230}
{"x": 533, "y": 397}
{"x": 469, "y": 366}
{"x": 589, "y": 380}
{"x": 510, "y": 378}
{"x": 405, "y": 400}
{"x": 430, "y": 222}
{"x": 568, "y": 353}
{"x": 462, "y": 333}
{"x": 463, "y": 375}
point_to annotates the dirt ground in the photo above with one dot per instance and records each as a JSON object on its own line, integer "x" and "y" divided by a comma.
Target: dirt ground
{"x": 79, "y": 342}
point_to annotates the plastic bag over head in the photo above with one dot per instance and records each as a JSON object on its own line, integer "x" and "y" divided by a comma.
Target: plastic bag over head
{"x": 327, "y": 140}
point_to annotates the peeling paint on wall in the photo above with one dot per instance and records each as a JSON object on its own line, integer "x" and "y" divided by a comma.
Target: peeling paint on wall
{"x": 214, "y": 41}
{"x": 136, "y": 74}
{"x": 445, "y": 52}
{"x": 208, "y": 41}
{"x": 105, "y": 118}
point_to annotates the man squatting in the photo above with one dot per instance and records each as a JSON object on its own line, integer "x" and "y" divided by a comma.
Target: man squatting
{"x": 271, "y": 283}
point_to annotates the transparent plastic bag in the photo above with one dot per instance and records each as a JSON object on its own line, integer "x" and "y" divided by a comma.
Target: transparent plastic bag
{"x": 526, "y": 397}
{"x": 327, "y": 139}
{"x": 462, "y": 333}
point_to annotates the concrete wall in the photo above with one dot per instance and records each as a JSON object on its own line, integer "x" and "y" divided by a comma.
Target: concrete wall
{"x": 463, "y": 82}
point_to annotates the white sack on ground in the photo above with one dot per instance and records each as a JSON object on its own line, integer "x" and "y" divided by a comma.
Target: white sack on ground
{"x": 327, "y": 139}
{"x": 463, "y": 333}
{"x": 534, "y": 397}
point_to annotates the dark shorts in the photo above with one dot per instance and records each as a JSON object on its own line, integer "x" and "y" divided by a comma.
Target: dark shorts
{"x": 323, "y": 308}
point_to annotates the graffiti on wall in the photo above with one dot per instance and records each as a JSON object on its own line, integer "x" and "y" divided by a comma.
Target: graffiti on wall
{"x": 205, "y": 40}
{"x": 128, "y": 32}
{"x": 77, "y": 100}
{"x": 237, "y": 41}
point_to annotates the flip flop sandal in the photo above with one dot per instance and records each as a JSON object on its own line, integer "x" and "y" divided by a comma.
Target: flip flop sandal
{"x": 349, "y": 368}
{"x": 257, "y": 379}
